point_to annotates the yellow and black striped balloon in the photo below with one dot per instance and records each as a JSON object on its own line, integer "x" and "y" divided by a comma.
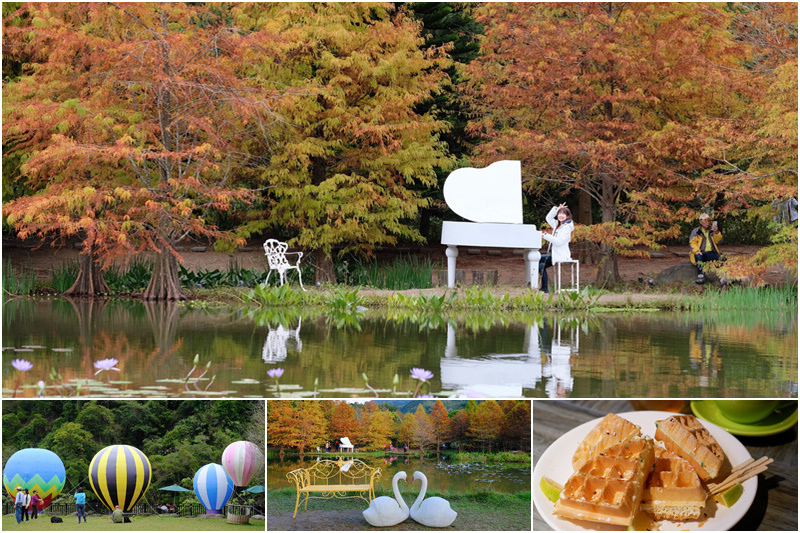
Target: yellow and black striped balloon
{"x": 119, "y": 475}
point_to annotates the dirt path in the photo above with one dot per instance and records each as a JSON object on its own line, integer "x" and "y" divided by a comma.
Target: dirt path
{"x": 507, "y": 262}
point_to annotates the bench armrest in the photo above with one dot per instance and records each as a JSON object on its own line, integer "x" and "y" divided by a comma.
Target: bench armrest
{"x": 300, "y": 477}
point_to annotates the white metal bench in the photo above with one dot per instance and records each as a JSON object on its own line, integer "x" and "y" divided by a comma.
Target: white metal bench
{"x": 276, "y": 252}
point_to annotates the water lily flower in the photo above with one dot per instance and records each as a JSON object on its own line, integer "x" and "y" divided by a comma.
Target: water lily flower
{"x": 421, "y": 374}
{"x": 106, "y": 364}
{"x": 275, "y": 373}
{"x": 22, "y": 365}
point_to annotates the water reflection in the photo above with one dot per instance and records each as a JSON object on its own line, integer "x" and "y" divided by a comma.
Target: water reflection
{"x": 276, "y": 344}
{"x": 490, "y": 354}
{"x": 443, "y": 474}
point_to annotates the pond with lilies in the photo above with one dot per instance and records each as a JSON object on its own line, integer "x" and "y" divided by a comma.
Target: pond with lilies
{"x": 444, "y": 475}
{"x": 129, "y": 348}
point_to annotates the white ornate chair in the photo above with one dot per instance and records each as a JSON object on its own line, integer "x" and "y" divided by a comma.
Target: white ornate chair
{"x": 276, "y": 252}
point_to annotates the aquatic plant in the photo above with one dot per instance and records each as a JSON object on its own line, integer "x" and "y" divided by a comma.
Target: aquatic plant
{"x": 422, "y": 376}
{"x": 18, "y": 283}
{"x": 22, "y": 366}
{"x": 273, "y": 296}
{"x": 401, "y": 274}
{"x": 63, "y": 275}
{"x": 106, "y": 364}
{"x": 275, "y": 374}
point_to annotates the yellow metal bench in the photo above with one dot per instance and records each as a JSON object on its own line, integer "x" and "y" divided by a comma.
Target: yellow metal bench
{"x": 341, "y": 478}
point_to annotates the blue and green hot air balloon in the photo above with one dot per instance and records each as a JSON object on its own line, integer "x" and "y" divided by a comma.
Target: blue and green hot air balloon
{"x": 120, "y": 475}
{"x": 35, "y": 469}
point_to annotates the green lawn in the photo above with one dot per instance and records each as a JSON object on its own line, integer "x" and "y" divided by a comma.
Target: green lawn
{"x": 484, "y": 511}
{"x": 138, "y": 523}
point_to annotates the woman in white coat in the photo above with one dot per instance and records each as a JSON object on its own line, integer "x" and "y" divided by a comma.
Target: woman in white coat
{"x": 560, "y": 219}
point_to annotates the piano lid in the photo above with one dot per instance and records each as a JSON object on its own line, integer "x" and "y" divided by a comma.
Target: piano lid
{"x": 491, "y": 194}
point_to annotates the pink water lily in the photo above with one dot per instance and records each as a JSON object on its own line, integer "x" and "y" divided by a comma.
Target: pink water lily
{"x": 421, "y": 374}
{"x": 22, "y": 365}
{"x": 106, "y": 364}
{"x": 275, "y": 373}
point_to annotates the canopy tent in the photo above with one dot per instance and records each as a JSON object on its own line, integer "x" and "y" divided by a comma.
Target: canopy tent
{"x": 175, "y": 488}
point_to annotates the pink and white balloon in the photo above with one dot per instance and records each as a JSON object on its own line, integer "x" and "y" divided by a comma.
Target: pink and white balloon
{"x": 241, "y": 460}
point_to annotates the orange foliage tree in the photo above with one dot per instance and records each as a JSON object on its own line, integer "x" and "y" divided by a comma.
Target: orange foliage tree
{"x": 622, "y": 101}
{"x": 135, "y": 125}
{"x": 343, "y": 422}
{"x": 485, "y": 423}
{"x": 440, "y": 422}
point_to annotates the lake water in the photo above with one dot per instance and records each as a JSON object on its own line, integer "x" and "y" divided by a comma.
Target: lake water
{"x": 511, "y": 355}
{"x": 444, "y": 476}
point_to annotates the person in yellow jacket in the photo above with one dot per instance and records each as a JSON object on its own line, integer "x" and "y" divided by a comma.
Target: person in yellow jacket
{"x": 704, "y": 241}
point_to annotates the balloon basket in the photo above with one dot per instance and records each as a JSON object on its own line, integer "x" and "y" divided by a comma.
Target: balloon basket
{"x": 238, "y": 514}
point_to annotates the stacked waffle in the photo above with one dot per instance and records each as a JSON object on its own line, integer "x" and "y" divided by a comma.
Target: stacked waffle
{"x": 617, "y": 471}
{"x": 608, "y": 485}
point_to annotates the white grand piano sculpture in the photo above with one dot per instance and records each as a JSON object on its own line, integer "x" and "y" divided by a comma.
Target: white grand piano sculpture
{"x": 491, "y": 198}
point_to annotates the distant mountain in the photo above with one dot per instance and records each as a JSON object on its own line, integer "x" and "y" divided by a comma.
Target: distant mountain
{"x": 410, "y": 406}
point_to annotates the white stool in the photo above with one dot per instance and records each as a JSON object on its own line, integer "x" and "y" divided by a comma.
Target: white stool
{"x": 574, "y": 275}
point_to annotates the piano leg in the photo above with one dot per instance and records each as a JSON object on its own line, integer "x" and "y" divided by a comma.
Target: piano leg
{"x": 532, "y": 258}
{"x": 452, "y": 254}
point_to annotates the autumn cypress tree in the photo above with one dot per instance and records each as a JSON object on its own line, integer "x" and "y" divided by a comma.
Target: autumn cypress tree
{"x": 135, "y": 124}
{"x": 354, "y": 147}
{"x": 618, "y": 100}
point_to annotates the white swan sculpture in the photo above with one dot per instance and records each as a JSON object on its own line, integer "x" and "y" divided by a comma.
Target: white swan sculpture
{"x": 385, "y": 511}
{"x": 433, "y": 512}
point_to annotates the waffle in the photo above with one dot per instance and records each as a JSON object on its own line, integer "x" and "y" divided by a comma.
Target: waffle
{"x": 608, "y": 488}
{"x": 611, "y": 430}
{"x": 673, "y": 490}
{"x": 685, "y": 436}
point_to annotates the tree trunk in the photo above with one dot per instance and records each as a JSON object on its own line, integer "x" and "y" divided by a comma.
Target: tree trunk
{"x": 90, "y": 281}
{"x": 165, "y": 283}
{"x": 607, "y": 269}
{"x": 323, "y": 267}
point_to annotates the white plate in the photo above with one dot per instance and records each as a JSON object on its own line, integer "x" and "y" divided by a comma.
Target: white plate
{"x": 556, "y": 463}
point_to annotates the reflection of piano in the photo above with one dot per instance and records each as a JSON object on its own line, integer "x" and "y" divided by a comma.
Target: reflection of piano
{"x": 492, "y": 198}
{"x": 492, "y": 375}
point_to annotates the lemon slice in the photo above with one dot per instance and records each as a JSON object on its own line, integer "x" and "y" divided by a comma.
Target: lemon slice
{"x": 730, "y": 496}
{"x": 550, "y": 488}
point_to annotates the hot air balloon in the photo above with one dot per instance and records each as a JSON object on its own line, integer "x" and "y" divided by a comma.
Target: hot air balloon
{"x": 35, "y": 469}
{"x": 213, "y": 486}
{"x": 241, "y": 460}
{"x": 119, "y": 475}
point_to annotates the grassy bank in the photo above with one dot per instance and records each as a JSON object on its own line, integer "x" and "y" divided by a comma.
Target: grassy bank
{"x": 493, "y": 458}
{"x": 481, "y": 511}
{"x": 138, "y": 523}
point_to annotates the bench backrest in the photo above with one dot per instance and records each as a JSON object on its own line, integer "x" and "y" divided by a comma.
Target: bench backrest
{"x": 336, "y": 472}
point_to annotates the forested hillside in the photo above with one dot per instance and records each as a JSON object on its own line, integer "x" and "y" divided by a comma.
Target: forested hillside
{"x": 177, "y": 436}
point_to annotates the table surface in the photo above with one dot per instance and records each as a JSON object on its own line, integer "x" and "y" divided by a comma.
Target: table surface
{"x": 775, "y": 505}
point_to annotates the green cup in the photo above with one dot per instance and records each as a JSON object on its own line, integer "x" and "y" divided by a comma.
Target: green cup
{"x": 746, "y": 411}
